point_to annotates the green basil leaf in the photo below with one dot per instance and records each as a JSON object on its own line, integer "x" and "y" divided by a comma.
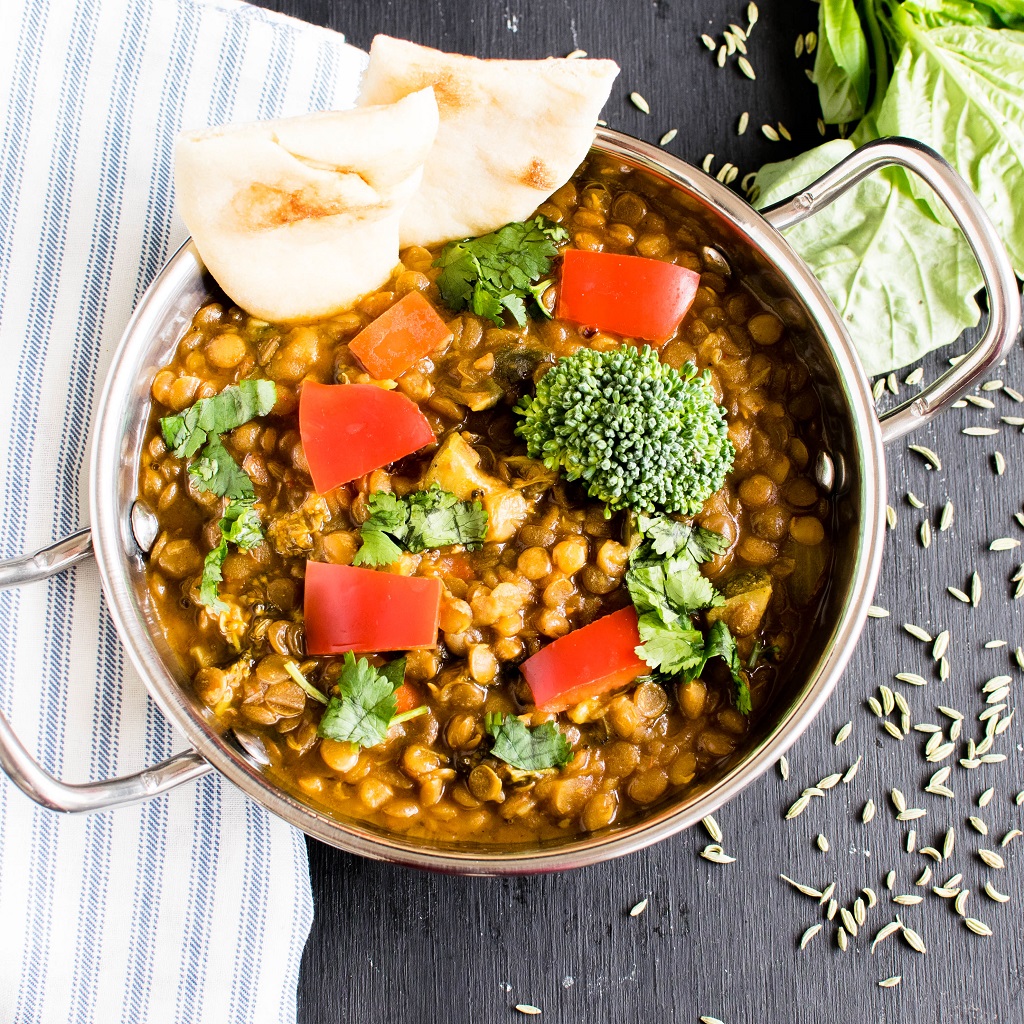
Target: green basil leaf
{"x": 842, "y": 65}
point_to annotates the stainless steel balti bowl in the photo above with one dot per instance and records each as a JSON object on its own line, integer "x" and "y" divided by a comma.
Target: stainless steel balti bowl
{"x": 852, "y": 467}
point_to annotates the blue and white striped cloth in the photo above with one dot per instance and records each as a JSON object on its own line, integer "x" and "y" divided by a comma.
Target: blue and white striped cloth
{"x": 196, "y": 906}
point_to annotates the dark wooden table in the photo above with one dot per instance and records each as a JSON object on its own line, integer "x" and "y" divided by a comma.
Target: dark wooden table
{"x": 413, "y": 948}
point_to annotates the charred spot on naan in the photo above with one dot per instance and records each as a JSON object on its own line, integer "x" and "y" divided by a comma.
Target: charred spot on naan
{"x": 260, "y": 206}
{"x": 538, "y": 175}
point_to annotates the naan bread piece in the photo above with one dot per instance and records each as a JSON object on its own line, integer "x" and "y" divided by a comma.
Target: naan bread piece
{"x": 298, "y": 218}
{"x": 512, "y": 131}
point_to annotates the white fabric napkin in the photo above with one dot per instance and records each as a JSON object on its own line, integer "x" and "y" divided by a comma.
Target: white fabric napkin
{"x": 194, "y": 907}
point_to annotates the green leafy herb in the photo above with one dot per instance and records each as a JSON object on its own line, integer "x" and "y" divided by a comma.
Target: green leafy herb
{"x": 667, "y": 589}
{"x": 216, "y": 471}
{"x": 890, "y": 257}
{"x": 240, "y": 525}
{"x": 720, "y": 643}
{"x": 529, "y": 750}
{"x": 433, "y": 518}
{"x": 235, "y": 405}
{"x": 842, "y": 65}
{"x": 499, "y": 272}
{"x": 365, "y": 708}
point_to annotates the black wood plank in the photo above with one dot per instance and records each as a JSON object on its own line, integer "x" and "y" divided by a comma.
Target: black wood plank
{"x": 409, "y": 947}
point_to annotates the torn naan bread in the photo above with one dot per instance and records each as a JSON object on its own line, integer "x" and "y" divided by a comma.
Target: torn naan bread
{"x": 511, "y": 132}
{"x": 298, "y": 218}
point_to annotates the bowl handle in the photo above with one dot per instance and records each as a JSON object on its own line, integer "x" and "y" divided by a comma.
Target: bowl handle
{"x": 25, "y": 772}
{"x": 1004, "y": 304}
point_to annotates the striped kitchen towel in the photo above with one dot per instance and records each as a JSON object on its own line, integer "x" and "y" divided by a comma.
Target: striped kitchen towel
{"x": 193, "y": 907}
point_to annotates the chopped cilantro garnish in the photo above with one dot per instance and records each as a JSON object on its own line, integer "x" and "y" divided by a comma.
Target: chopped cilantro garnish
{"x": 720, "y": 643}
{"x": 529, "y": 750}
{"x": 667, "y": 588}
{"x": 240, "y": 525}
{"x": 365, "y": 708}
{"x": 433, "y": 518}
{"x": 235, "y": 405}
{"x": 499, "y": 272}
{"x": 216, "y": 471}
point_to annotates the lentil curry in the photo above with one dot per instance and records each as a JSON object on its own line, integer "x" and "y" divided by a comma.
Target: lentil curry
{"x": 553, "y": 565}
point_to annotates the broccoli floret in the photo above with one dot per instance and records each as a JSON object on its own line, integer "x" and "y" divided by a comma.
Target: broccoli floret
{"x": 641, "y": 434}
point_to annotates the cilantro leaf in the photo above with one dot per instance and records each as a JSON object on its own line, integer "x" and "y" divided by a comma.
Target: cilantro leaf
{"x": 529, "y": 750}
{"x": 216, "y": 471}
{"x": 423, "y": 520}
{"x": 238, "y": 403}
{"x": 366, "y": 705}
{"x": 669, "y": 647}
{"x": 500, "y": 272}
{"x": 669, "y": 537}
{"x": 720, "y": 643}
{"x": 686, "y": 588}
{"x": 240, "y": 525}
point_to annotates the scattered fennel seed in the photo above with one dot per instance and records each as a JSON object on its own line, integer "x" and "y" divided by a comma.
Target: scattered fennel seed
{"x": 980, "y": 403}
{"x": 878, "y": 388}
{"x": 890, "y": 517}
{"x": 709, "y": 1020}
{"x": 915, "y": 377}
{"x": 914, "y": 500}
{"x": 892, "y": 384}
{"x": 744, "y": 121}
{"x": 948, "y": 842}
{"x": 978, "y": 927}
{"x": 821, "y": 126}
{"x": 797, "y": 807}
{"x": 798, "y": 46}
{"x": 1013, "y": 421}
{"x": 890, "y": 982}
{"x": 1014, "y": 833}
{"x": 884, "y": 932}
{"x": 707, "y": 162}
{"x": 807, "y": 890}
{"x": 714, "y": 853}
{"x": 809, "y": 934}
{"x": 708, "y": 41}
{"x": 830, "y": 780}
{"x": 822, "y": 843}
{"x": 784, "y": 132}
{"x": 849, "y": 923}
{"x": 831, "y": 910}
{"x": 959, "y": 404}
{"x": 913, "y": 940}
{"x": 941, "y": 645}
{"x": 1004, "y": 544}
{"x": 769, "y": 133}
{"x": 843, "y": 734}
{"x": 994, "y": 894}
{"x": 991, "y": 645}
{"x": 577, "y": 54}
{"x": 860, "y": 912}
{"x": 908, "y": 900}
{"x": 668, "y": 136}
{"x": 890, "y": 880}
{"x": 926, "y": 534}
{"x": 713, "y": 828}
{"x": 746, "y": 67}
{"x": 888, "y": 699}
{"x": 877, "y": 612}
{"x": 918, "y": 633}
{"x": 930, "y": 458}
{"x": 638, "y": 908}
{"x": 869, "y": 811}
{"x": 784, "y": 768}
{"x": 875, "y": 706}
{"x": 999, "y": 463}
{"x": 852, "y": 770}
{"x": 986, "y": 798}
{"x": 893, "y": 730}
{"x": 991, "y": 859}
{"x": 959, "y": 594}
{"x": 1013, "y": 393}
{"x": 925, "y": 877}
{"x": 841, "y": 939}
{"x": 951, "y": 712}
{"x": 811, "y": 41}
{"x": 640, "y": 103}
{"x": 529, "y": 1009}
{"x": 960, "y": 902}
{"x": 980, "y": 431}
{"x": 738, "y": 32}
{"x": 899, "y": 801}
{"x": 945, "y": 892}
{"x": 912, "y": 678}
{"x": 992, "y": 385}
{"x": 748, "y": 180}
{"x": 911, "y": 814}
{"x": 752, "y": 13}
{"x": 946, "y": 518}
{"x": 730, "y": 43}
{"x": 826, "y": 893}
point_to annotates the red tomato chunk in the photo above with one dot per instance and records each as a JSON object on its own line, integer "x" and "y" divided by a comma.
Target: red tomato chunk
{"x": 629, "y": 295}
{"x": 352, "y": 609}
{"x": 595, "y": 659}
{"x": 349, "y": 430}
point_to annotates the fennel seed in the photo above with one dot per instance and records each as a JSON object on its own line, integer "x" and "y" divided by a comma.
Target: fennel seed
{"x": 809, "y": 934}
{"x": 638, "y": 908}
{"x": 744, "y": 121}
{"x": 746, "y": 67}
{"x": 640, "y": 103}
{"x": 769, "y": 133}
{"x": 668, "y": 136}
